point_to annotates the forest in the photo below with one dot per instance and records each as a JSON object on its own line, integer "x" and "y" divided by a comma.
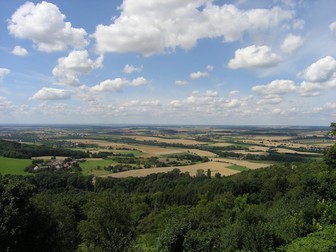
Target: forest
{"x": 285, "y": 207}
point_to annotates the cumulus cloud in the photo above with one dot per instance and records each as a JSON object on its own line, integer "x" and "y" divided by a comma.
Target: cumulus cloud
{"x": 197, "y": 75}
{"x": 140, "y": 81}
{"x": 76, "y": 63}
{"x": 276, "y": 87}
{"x": 291, "y": 43}
{"x": 52, "y": 94}
{"x": 308, "y": 89}
{"x": 19, "y": 51}
{"x": 332, "y": 27}
{"x": 181, "y": 83}
{"x": 5, "y": 104}
{"x": 114, "y": 85}
{"x": 298, "y": 24}
{"x": 151, "y": 27}
{"x": 269, "y": 99}
{"x": 254, "y": 57}
{"x": 44, "y": 24}
{"x": 131, "y": 69}
{"x": 117, "y": 85}
{"x": 4, "y": 72}
{"x": 234, "y": 93}
{"x": 210, "y": 68}
{"x": 321, "y": 71}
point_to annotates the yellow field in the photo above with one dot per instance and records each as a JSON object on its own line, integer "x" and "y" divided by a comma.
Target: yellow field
{"x": 192, "y": 169}
{"x": 222, "y": 144}
{"x": 245, "y": 163}
{"x": 282, "y": 150}
{"x": 167, "y": 140}
{"x": 202, "y": 153}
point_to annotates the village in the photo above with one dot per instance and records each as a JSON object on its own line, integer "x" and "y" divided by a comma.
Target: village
{"x": 55, "y": 164}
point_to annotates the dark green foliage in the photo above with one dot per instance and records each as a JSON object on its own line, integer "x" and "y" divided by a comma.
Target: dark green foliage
{"x": 330, "y": 157}
{"x": 173, "y": 237}
{"x": 108, "y": 226}
{"x": 19, "y": 150}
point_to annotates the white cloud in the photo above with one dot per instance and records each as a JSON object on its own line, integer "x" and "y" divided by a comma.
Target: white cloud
{"x": 130, "y": 69}
{"x": 19, "y": 51}
{"x": 254, "y": 57}
{"x": 298, "y": 24}
{"x": 330, "y": 105}
{"x": 5, "y": 104}
{"x": 321, "y": 71}
{"x": 234, "y": 93}
{"x": 277, "y": 111}
{"x": 197, "y": 75}
{"x": 210, "y": 93}
{"x": 332, "y": 27}
{"x": 308, "y": 89}
{"x": 151, "y": 27}
{"x": 140, "y": 81}
{"x": 181, "y": 83}
{"x": 52, "y": 94}
{"x": 276, "y": 87}
{"x": 4, "y": 72}
{"x": 76, "y": 63}
{"x": 116, "y": 85}
{"x": 210, "y": 68}
{"x": 269, "y": 99}
{"x": 291, "y": 43}
{"x": 44, "y": 24}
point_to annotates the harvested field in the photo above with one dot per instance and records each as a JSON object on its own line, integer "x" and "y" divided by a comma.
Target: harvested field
{"x": 245, "y": 163}
{"x": 168, "y": 140}
{"x": 283, "y": 150}
{"x": 259, "y": 148}
{"x": 250, "y": 152}
{"x": 192, "y": 169}
{"x": 202, "y": 153}
{"x": 222, "y": 144}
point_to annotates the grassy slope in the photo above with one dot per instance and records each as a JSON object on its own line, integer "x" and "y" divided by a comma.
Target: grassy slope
{"x": 14, "y": 165}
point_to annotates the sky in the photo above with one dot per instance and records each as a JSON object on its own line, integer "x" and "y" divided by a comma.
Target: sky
{"x": 195, "y": 62}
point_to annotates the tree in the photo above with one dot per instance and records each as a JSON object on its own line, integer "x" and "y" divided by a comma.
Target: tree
{"x": 108, "y": 226}
{"x": 172, "y": 238}
{"x": 330, "y": 154}
{"x": 22, "y": 226}
{"x": 333, "y": 130}
{"x": 324, "y": 240}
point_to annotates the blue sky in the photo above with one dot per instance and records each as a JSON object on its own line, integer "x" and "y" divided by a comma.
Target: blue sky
{"x": 263, "y": 62}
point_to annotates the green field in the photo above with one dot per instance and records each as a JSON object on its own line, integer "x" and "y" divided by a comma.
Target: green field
{"x": 238, "y": 168}
{"x": 14, "y": 165}
{"x": 91, "y": 166}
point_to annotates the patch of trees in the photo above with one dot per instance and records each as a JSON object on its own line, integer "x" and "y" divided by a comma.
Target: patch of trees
{"x": 20, "y": 150}
{"x": 188, "y": 156}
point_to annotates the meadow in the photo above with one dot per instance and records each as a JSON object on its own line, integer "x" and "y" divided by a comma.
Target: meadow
{"x": 14, "y": 166}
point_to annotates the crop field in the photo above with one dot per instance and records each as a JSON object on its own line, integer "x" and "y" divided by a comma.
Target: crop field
{"x": 245, "y": 163}
{"x": 13, "y": 165}
{"x": 215, "y": 167}
{"x": 168, "y": 140}
{"x": 139, "y": 151}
